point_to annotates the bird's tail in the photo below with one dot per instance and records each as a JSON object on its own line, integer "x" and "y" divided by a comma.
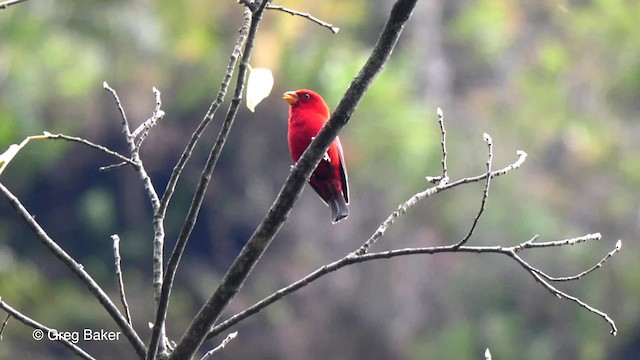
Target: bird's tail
{"x": 339, "y": 209}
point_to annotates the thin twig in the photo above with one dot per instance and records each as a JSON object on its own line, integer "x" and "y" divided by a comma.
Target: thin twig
{"x": 444, "y": 178}
{"x": 569, "y": 242}
{"x": 6, "y": 4}
{"x": 77, "y": 269}
{"x": 333, "y": 29}
{"x": 265, "y": 232}
{"x": 42, "y": 331}
{"x": 104, "y": 149}
{"x": 4, "y": 324}
{"x": 485, "y": 192}
{"x": 573, "y": 241}
{"x": 112, "y": 167}
{"x": 125, "y": 123}
{"x": 118, "y": 265}
{"x": 144, "y": 128}
{"x": 615, "y": 250}
{"x": 443, "y": 144}
{"x": 224, "y": 343}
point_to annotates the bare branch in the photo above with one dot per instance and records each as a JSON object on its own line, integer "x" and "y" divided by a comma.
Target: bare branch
{"x": 6, "y": 4}
{"x": 4, "y": 324}
{"x": 615, "y": 250}
{"x": 485, "y": 193}
{"x": 42, "y": 331}
{"x": 116, "y": 255}
{"x": 112, "y": 167}
{"x": 145, "y": 127}
{"x": 77, "y": 269}
{"x": 428, "y": 193}
{"x": 353, "y": 258}
{"x": 333, "y": 29}
{"x": 247, "y": 36}
{"x": 104, "y": 149}
{"x": 560, "y": 294}
{"x": 125, "y": 123}
{"x": 224, "y": 343}
{"x": 573, "y": 241}
{"x": 444, "y": 178}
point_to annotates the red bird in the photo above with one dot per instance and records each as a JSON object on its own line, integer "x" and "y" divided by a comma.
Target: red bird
{"x": 307, "y": 114}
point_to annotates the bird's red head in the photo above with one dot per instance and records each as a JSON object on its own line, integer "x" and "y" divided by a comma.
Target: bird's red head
{"x": 304, "y": 99}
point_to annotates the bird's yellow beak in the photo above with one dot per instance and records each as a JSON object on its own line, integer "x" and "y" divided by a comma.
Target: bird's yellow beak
{"x": 291, "y": 97}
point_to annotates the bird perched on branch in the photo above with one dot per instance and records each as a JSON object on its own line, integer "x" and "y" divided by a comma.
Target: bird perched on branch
{"x": 307, "y": 114}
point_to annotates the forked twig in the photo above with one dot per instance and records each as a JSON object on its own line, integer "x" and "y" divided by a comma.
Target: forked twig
{"x": 158, "y": 222}
{"x": 560, "y": 294}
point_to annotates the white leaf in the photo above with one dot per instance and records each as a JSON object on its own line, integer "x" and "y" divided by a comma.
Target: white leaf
{"x": 13, "y": 149}
{"x": 259, "y": 86}
{"x": 6, "y": 156}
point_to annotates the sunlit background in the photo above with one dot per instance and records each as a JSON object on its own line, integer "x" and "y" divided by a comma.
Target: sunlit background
{"x": 557, "y": 79}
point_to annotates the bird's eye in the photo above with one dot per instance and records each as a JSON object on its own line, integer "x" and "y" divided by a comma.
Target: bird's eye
{"x": 306, "y": 96}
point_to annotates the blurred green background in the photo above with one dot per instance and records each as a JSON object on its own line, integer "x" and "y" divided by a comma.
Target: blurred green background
{"x": 559, "y": 79}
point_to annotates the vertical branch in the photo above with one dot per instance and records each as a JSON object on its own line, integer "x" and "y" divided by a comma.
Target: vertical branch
{"x": 160, "y": 212}
{"x": 158, "y": 226}
{"x": 116, "y": 255}
{"x": 190, "y": 220}
{"x": 279, "y": 212}
{"x": 443, "y": 144}
{"x": 485, "y": 193}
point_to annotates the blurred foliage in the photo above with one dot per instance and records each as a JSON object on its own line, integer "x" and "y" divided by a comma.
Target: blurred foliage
{"x": 558, "y": 79}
